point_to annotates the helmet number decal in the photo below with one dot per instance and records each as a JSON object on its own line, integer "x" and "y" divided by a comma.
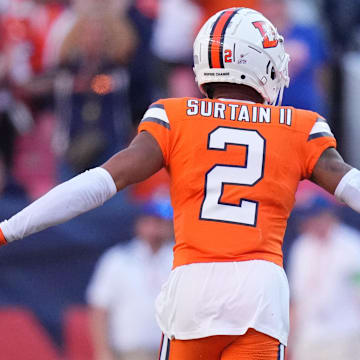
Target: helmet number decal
{"x": 268, "y": 34}
{"x": 217, "y": 35}
{"x": 248, "y": 175}
{"x": 228, "y": 56}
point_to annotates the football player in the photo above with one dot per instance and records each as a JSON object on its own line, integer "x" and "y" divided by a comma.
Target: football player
{"x": 235, "y": 159}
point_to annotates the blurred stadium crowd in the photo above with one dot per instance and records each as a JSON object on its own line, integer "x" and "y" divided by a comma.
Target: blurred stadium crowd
{"x": 76, "y": 77}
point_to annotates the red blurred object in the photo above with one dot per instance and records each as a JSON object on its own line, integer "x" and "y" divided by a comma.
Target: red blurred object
{"x": 211, "y": 7}
{"x": 77, "y": 338}
{"x": 25, "y": 27}
{"x": 23, "y": 337}
{"x": 145, "y": 190}
{"x": 149, "y": 8}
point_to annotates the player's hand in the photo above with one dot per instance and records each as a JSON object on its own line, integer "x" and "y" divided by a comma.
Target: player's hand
{"x": 2, "y": 238}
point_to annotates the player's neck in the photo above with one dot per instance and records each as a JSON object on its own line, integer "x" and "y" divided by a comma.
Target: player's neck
{"x": 238, "y": 93}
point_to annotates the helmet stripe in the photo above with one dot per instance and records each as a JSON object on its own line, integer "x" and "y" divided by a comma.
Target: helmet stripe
{"x": 217, "y": 38}
{"x": 211, "y": 39}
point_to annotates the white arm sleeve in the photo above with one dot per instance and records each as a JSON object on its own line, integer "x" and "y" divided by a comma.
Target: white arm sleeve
{"x": 67, "y": 200}
{"x": 348, "y": 189}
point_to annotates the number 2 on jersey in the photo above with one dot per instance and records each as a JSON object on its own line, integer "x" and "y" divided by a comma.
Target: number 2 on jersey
{"x": 221, "y": 174}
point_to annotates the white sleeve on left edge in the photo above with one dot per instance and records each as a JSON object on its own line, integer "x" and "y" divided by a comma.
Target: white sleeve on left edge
{"x": 64, "y": 202}
{"x": 348, "y": 189}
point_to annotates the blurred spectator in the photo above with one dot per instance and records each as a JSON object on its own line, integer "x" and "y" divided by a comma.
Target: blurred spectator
{"x": 142, "y": 14}
{"x": 25, "y": 27}
{"x": 124, "y": 287}
{"x": 343, "y": 18}
{"x": 102, "y": 33}
{"x": 308, "y": 51}
{"x": 94, "y": 46}
{"x": 27, "y": 91}
{"x": 306, "y": 11}
{"x": 324, "y": 272}
{"x": 172, "y": 42}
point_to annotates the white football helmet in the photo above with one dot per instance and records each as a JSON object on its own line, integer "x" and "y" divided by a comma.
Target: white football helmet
{"x": 241, "y": 46}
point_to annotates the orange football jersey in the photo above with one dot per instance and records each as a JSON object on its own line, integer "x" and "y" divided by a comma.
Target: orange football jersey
{"x": 234, "y": 169}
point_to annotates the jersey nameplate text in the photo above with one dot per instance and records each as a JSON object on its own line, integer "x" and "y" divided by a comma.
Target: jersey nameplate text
{"x": 236, "y": 112}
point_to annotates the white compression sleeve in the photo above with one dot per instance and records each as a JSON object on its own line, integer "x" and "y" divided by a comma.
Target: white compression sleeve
{"x": 348, "y": 189}
{"x": 67, "y": 200}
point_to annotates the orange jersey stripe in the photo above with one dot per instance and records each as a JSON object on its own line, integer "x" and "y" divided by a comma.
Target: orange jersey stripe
{"x": 216, "y": 39}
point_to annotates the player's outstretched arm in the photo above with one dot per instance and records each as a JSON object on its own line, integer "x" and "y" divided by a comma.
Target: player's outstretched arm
{"x": 86, "y": 191}
{"x": 338, "y": 178}
{"x": 139, "y": 161}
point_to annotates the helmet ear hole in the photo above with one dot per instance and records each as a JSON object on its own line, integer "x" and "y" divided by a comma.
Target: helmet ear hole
{"x": 243, "y": 77}
{"x": 273, "y": 74}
